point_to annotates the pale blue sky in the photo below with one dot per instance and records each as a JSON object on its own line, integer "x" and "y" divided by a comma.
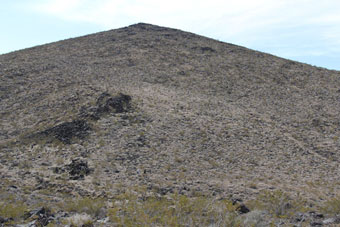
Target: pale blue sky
{"x": 303, "y": 30}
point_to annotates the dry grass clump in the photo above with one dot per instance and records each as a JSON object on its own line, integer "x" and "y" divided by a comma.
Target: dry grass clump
{"x": 278, "y": 204}
{"x": 90, "y": 206}
{"x": 78, "y": 220}
{"x": 332, "y": 206}
{"x": 176, "y": 210}
{"x": 12, "y": 211}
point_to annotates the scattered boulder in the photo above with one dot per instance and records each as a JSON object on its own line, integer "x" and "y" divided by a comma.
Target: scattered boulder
{"x": 111, "y": 104}
{"x": 208, "y": 49}
{"x": 2, "y": 220}
{"x": 164, "y": 191}
{"x": 316, "y": 215}
{"x": 58, "y": 170}
{"x": 316, "y": 223}
{"x": 314, "y": 218}
{"x": 80, "y": 127}
{"x": 204, "y": 49}
{"x": 242, "y": 209}
{"x": 328, "y": 221}
{"x": 78, "y": 169}
{"x": 41, "y": 183}
{"x": 106, "y": 103}
{"x": 300, "y": 217}
{"x": 41, "y": 216}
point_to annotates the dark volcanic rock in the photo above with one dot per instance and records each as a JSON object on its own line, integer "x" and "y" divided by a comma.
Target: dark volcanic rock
{"x": 65, "y": 132}
{"x": 206, "y": 49}
{"x": 2, "y": 220}
{"x": 79, "y": 128}
{"x": 78, "y": 169}
{"x": 316, "y": 223}
{"x": 115, "y": 104}
{"x": 42, "y": 215}
{"x": 242, "y": 209}
{"x": 106, "y": 103}
{"x": 335, "y": 220}
{"x": 58, "y": 170}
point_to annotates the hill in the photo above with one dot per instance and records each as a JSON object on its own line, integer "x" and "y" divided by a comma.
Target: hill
{"x": 152, "y": 112}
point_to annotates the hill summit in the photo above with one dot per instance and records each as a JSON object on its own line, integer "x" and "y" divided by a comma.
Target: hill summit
{"x": 155, "y": 112}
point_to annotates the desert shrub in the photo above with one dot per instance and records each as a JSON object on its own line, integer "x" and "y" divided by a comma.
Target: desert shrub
{"x": 176, "y": 210}
{"x": 255, "y": 218}
{"x": 277, "y": 203}
{"x": 332, "y": 206}
{"x": 78, "y": 220}
{"x": 86, "y": 205}
{"x": 12, "y": 210}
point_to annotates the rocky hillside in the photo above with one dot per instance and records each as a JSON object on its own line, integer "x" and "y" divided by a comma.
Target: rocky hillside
{"x": 148, "y": 113}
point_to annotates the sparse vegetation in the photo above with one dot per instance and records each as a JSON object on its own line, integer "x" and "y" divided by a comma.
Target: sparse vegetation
{"x": 178, "y": 210}
{"x": 83, "y": 220}
{"x": 278, "y": 203}
{"x": 177, "y": 113}
{"x": 12, "y": 210}
{"x": 86, "y": 205}
{"x": 332, "y": 206}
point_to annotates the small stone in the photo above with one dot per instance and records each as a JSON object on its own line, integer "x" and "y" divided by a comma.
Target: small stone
{"x": 316, "y": 223}
{"x": 41, "y": 216}
{"x": 242, "y": 209}
{"x": 104, "y": 220}
{"x": 30, "y": 224}
{"x": 328, "y": 221}
{"x": 300, "y": 217}
{"x": 87, "y": 225}
{"x": 316, "y": 215}
{"x": 101, "y": 213}
{"x": 335, "y": 220}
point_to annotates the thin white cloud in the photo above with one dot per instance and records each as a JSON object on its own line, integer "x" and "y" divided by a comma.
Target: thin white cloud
{"x": 177, "y": 12}
{"x": 244, "y": 22}
{"x": 237, "y": 15}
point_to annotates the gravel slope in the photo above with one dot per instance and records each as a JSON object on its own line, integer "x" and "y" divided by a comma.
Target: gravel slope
{"x": 203, "y": 116}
